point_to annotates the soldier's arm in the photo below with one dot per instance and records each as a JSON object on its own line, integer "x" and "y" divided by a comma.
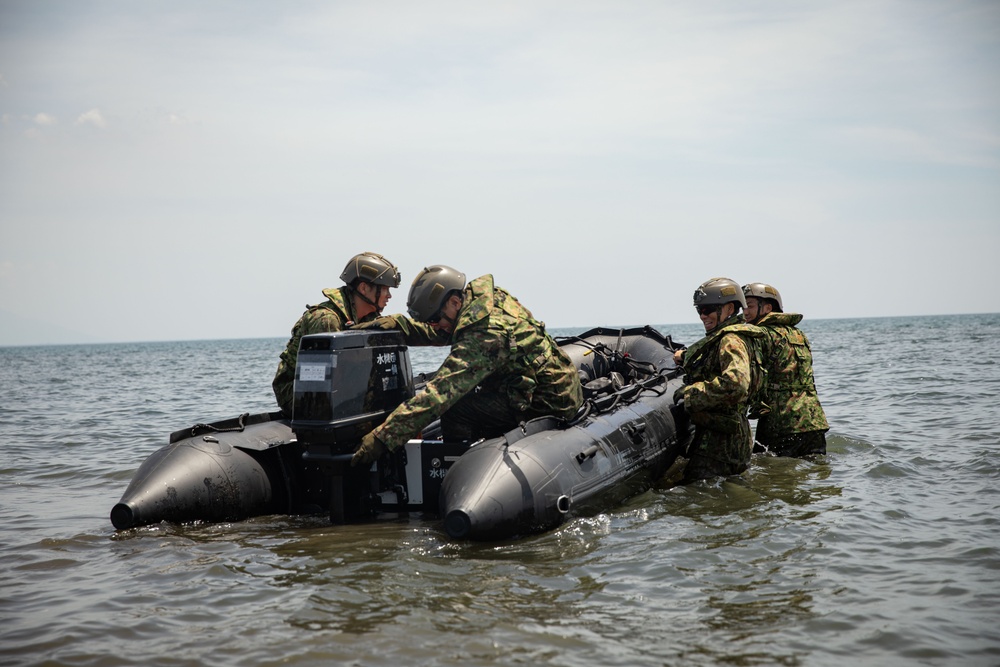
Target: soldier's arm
{"x": 317, "y": 320}
{"x": 414, "y": 333}
{"x": 731, "y": 387}
{"x": 470, "y": 362}
{"x": 320, "y": 320}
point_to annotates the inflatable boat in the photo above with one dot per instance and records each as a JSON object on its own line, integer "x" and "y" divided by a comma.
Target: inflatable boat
{"x": 530, "y": 480}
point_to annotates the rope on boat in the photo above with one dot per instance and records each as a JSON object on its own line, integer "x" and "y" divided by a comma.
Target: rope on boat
{"x": 617, "y": 354}
{"x": 240, "y": 427}
{"x": 630, "y": 393}
{"x": 627, "y": 393}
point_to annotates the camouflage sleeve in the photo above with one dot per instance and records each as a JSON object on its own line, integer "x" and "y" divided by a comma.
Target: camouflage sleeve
{"x": 316, "y": 320}
{"x": 414, "y": 333}
{"x": 471, "y": 361}
{"x": 320, "y": 320}
{"x": 731, "y": 387}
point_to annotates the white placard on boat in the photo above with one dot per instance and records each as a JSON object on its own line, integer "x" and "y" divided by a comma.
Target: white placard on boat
{"x": 312, "y": 372}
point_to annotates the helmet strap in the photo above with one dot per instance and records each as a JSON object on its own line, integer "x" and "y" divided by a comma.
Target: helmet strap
{"x": 451, "y": 321}
{"x": 378, "y": 295}
{"x": 761, "y": 312}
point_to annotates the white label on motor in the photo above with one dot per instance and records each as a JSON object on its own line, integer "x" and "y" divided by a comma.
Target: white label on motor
{"x": 312, "y": 372}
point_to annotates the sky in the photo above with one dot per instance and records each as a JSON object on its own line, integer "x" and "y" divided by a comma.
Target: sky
{"x": 189, "y": 170}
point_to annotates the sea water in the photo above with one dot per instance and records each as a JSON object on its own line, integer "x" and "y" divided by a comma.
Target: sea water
{"x": 884, "y": 552}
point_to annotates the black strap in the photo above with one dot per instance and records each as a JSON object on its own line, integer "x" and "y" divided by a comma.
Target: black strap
{"x": 239, "y": 428}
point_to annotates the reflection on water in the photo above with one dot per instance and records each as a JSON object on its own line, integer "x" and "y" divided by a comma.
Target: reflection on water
{"x": 743, "y": 554}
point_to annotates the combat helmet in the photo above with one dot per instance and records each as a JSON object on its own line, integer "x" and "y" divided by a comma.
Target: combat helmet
{"x": 431, "y": 288}
{"x": 719, "y": 291}
{"x": 764, "y": 291}
{"x": 371, "y": 268}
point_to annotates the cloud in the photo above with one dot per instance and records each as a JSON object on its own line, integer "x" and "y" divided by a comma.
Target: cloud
{"x": 565, "y": 133}
{"x": 92, "y": 117}
{"x": 3, "y": 81}
{"x": 44, "y": 119}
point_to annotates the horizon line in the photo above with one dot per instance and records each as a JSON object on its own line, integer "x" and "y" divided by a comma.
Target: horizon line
{"x": 548, "y": 328}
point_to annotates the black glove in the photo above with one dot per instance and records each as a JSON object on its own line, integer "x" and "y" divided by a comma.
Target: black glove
{"x": 679, "y": 395}
{"x": 370, "y": 449}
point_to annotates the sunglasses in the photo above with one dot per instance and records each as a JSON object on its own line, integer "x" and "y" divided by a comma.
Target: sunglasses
{"x": 706, "y": 310}
{"x": 435, "y": 318}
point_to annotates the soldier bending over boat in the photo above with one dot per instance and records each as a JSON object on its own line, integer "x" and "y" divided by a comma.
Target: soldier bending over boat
{"x": 503, "y": 367}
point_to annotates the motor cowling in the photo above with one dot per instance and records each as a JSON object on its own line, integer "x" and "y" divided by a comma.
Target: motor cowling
{"x": 346, "y": 384}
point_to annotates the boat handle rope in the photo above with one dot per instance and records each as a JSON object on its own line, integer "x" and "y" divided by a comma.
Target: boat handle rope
{"x": 239, "y": 428}
{"x": 627, "y": 394}
{"x": 617, "y": 354}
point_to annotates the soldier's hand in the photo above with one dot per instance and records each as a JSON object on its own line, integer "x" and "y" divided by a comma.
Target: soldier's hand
{"x": 679, "y": 395}
{"x": 370, "y": 449}
{"x": 678, "y": 357}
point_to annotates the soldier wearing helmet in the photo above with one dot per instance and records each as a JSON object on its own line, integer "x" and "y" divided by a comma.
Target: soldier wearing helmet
{"x": 722, "y": 376}
{"x": 368, "y": 277}
{"x": 503, "y": 368}
{"x": 761, "y": 299}
{"x": 795, "y": 424}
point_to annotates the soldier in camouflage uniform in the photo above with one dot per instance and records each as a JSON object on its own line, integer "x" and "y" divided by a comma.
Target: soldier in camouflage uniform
{"x": 503, "y": 367}
{"x": 368, "y": 278}
{"x": 721, "y": 374}
{"x": 796, "y": 424}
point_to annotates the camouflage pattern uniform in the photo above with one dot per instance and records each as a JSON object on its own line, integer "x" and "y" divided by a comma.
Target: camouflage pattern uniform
{"x": 796, "y": 424}
{"x": 334, "y": 314}
{"x": 503, "y": 369}
{"x": 720, "y": 377}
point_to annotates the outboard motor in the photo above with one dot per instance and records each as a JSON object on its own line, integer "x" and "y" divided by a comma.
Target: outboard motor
{"x": 346, "y": 384}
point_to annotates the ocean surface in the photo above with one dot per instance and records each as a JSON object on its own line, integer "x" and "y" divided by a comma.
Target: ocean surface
{"x": 884, "y": 552}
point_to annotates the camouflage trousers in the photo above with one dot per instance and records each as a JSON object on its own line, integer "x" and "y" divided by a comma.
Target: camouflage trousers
{"x": 795, "y": 444}
{"x": 715, "y": 453}
{"x": 480, "y": 414}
